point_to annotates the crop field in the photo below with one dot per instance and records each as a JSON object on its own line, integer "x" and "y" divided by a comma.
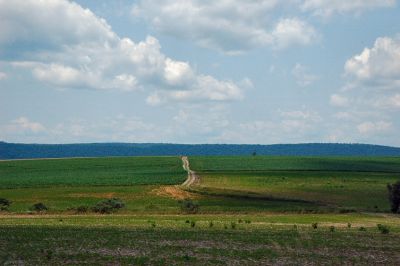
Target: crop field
{"x": 91, "y": 172}
{"x": 292, "y": 163}
{"x": 251, "y": 210}
{"x": 347, "y": 184}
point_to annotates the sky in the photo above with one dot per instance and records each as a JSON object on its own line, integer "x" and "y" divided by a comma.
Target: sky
{"x": 200, "y": 71}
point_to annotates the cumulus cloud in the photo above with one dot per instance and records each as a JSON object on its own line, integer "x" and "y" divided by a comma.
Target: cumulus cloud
{"x": 302, "y": 75}
{"x": 370, "y": 97}
{"x": 231, "y": 26}
{"x": 23, "y": 124}
{"x": 339, "y": 100}
{"x": 292, "y": 31}
{"x": 378, "y": 66}
{"x": 204, "y": 87}
{"x": 329, "y": 7}
{"x": 84, "y": 52}
{"x": 374, "y": 127}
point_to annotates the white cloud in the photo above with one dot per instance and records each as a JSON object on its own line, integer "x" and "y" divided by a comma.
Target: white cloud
{"x": 84, "y": 52}
{"x": 378, "y": 66}
{"x": 370, "y": 97}
{"x": 231, "y": 26}
{"x": 292, "y": 31}
{"x": 387, "y": 102}
{"x": 23, "y": 124}
{"x": 302, "y": 75}
{"x": 50, "y": 23}
{"x": 3, "y": 76}
{"x": 203, "y": 88}
{"x": 329, "y": 7}
{"x": 339, "y": 100}
{"x": 374, "y": 127}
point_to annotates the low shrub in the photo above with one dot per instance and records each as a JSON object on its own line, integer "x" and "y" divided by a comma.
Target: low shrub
{"x": 314, "y": 225}
{"x": 210, "y": 224}
{"x": 233, "y": 225}
{"x": 362, "y": 228}
{"x": 348, "y": 225}
{"x": 188, "y": 206}
{"x": 4, "y": 204}
{"x": 332, "y": 228}
{"x": 39, "y": 207}
{"x": 152, "y": 223}
{"x": 247, "y": 221}
{"x": 192, "y": 224}
{"x": 383, "y": 228}
{"x": 82, "y": 209}
{"x": 108, "y": 206}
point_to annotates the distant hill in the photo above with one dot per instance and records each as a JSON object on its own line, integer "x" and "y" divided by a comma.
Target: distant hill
{"x": 26, "y": 151}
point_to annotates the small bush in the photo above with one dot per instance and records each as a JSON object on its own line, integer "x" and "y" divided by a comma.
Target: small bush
{"x": 108, "y": 206}
{"x": 240, "y": 221}
{"x": 383, "y": 228}
{"x": 187, "y": 221}
{"x": 314, "y": 225}
{"x": 188, "y": 206}
{"x": 192, "y": 224}
{"x": 225, "y": 226}
{"x": 39, "y": 207}
{"x": 82, "y": 209}
{"x": 295, "y": 226}
{"x": 233, "y": 225}
{"x": 210, "y": 224}
{"x": 362, "y": 228}
{"x": 4, "y": 204}
{"x": 348, "y": 225}
{"x": 332, "y": 228}
{"x": 247, "y": 221}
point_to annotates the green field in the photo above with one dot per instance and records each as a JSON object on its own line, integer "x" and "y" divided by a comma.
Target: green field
{"x": 293, "y": 163}
{"x": 253, "y": 210}
{"x": 91, "y": 172}
{"x": 352, "y": 184}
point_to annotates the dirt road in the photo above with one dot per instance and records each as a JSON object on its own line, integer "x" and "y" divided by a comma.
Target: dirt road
{"x": 192, "y": 177}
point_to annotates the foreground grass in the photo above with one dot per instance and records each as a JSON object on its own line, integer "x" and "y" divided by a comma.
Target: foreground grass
{"x": 91, "y": 172}
{"x": 179, "y": 221}
{"x": 172, "y": 241}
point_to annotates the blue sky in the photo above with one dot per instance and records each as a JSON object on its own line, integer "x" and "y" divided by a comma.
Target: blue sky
{"x": 196, "y": 71}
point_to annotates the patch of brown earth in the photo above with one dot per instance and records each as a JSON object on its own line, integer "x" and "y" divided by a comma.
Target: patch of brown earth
{"x": 174, "y": 192}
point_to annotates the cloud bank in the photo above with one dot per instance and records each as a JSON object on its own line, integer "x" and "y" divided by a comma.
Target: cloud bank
{"x": 84, "y": 52}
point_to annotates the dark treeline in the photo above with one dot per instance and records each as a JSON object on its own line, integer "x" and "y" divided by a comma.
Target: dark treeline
{"x": 25, "y": 151}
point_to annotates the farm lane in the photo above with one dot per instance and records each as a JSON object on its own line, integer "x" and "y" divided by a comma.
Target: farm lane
{"x": 192, "y": 176}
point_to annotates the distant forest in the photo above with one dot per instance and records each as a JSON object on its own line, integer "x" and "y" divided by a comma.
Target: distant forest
{"x": 26, "y": 151}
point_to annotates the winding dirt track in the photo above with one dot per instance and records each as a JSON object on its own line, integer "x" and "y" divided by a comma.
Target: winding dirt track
{"x": 192, "y": 177}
